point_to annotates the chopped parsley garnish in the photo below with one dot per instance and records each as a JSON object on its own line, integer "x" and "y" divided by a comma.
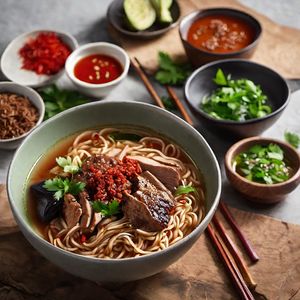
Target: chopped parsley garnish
{"x": 263, "y": 164}
{"x": 112, "y": 208}
{"x": 63, "y": 186}
{"x": 236, "y": 100}
{"x": 67, "y": 165}
{"x": 170, "y": 72}
{"x": 181, "y": 190}
{"x": 292, "y": 138}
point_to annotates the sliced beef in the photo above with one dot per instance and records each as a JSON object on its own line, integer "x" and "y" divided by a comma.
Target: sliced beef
{"x": 86, "y": 209}
{"x": 55, "y": 226}
{"x": 71, "y": 210}
{"x": 168, "y": 175}
{"x": 96, "y": 218}
{"x": 149, "y": 207}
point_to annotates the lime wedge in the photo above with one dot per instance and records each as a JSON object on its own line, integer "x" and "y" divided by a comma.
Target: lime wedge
{"x": 140, "y": 13}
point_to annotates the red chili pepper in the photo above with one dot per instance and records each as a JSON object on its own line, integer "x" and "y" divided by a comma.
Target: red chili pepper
{"x": 83, "y": 238}
{"x": 45, "y": 54}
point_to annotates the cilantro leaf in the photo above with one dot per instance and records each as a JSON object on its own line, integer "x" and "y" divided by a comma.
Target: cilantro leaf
{"x": 292, "y": 138}
{"x": 63, "y": 186}
{"x": 67, "y": 164}
{"x": 107, "y": 210}
{"x": 263, "y": 164}
{"x": 170, "y": 72}
{"x": 184, "y": 190}
{"x": 220, "y": 78}
{"x": 236, "y": 100}
{"x": 57, "y": 100}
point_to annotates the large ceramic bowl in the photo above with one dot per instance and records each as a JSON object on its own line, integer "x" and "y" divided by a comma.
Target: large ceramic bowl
{"x": 200, "y": 84}
{"x": 111, "y": 114}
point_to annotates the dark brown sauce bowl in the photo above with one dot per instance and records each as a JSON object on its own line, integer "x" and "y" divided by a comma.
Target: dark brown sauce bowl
{"x": 199, "y": 56}
{"x": 258, "y": 192}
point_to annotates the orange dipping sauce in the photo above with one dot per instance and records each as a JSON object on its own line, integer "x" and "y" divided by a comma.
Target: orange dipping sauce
{"x": 220, "y": 34}
{"x": 97, "y": 69}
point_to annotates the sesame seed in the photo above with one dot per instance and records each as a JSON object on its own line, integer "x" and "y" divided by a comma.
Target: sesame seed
{"x": 94, "y": 60}
{"x": 107, "y": 74}
{"x": 90, "y": 77}
{"x": 97, "y": 68}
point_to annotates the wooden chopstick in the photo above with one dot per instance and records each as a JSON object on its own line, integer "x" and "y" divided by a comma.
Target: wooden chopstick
{"x": 246, "y": 244}
{"x": 178, "y": 103}
{"x": 234, "y": 272}
{"x": 235, "y": 254}
{"x": 137, "y": 66}
{"x": 230, "y": 266}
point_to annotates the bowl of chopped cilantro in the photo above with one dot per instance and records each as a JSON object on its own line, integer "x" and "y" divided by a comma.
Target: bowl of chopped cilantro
{"x": 238, "y": 96}
{"x": 264, "y": 170}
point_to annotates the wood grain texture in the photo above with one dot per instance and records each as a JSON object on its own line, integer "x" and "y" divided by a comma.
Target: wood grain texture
{"x": 279, "y": 47}
{"x": 25, "y": 274}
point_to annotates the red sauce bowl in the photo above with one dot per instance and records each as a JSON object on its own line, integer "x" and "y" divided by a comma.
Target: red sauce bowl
{"x": 97, "y": 68}
{"x": 219, "y": 33}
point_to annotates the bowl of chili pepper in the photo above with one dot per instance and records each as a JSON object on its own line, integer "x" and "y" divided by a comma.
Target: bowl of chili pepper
{"x": 263, "y": 170}
{"x": 37, "y": 58}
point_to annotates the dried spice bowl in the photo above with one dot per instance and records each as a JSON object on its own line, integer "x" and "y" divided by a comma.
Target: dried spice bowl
{"x": 259, "y": 192}
{"x": 5, "y": 109}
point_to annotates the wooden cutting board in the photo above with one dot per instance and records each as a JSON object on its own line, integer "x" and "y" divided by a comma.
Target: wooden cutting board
{"x": 279, "y": 47}
{"x": 25, "y": 274}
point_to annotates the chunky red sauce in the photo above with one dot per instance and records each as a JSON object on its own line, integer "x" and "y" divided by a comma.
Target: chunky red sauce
{"x": 97, "y": 68}
{"x": 220, "y": 34}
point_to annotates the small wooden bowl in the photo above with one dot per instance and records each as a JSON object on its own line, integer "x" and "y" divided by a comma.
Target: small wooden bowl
{"x": 257, "y": 192}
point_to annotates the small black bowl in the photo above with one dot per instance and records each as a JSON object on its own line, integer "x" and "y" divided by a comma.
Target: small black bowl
{"x": 201, "y": 84}
{"x": 116, "y": 17}
{"x": 199, "y": 56}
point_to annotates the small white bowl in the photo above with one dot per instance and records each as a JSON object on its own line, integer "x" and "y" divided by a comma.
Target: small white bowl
{"x": 11, "y": 62}
{"x": 97, "y": 90}
{"x": 34, "y": 97}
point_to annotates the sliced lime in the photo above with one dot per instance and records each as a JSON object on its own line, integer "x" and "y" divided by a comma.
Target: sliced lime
{"x": 140, "y": 13}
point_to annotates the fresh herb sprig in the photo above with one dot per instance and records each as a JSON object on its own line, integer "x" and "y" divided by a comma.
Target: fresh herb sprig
{"x": 263, "y": 164}
{"x": 57, "y": 100}
{"x": 182, "y": 189}
{"x": 67, "y": 164}
{"x": 292, "y": 138}
{"x": 168, "y": 103}
{"x": 107, "y": 210}
{"x": 236, "y": 100}
{"x": 63, "y": 186}
{"x": 170, "y": 72}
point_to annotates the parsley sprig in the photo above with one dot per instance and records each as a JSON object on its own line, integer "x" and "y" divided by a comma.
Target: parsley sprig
{"x": 236, "y": 100}
{"x": 107, "y": 210}
{"x": 57, "y": 100}
{"x": 170, "y": 72}
{"x": 182, "y": 189}
{"x": 263, "y": 164}
{"x": 63, "y": 186}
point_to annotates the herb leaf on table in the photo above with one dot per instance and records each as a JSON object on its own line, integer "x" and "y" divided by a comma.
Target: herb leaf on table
{"x": 170, "y": 72}
{"x": 57, "y": 100}
{"x": 236, "y": 100}
{"x": 292, "y": 138}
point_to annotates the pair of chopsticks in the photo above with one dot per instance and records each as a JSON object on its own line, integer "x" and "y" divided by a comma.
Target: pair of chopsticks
{"x": 224, "y": 245}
